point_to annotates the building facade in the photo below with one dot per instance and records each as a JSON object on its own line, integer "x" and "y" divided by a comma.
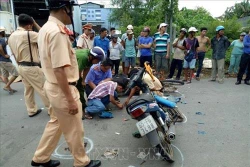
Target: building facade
{"x": 97, "y": 15}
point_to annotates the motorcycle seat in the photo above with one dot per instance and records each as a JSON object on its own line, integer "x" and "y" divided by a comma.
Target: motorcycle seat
{"x": 164, "y": 102}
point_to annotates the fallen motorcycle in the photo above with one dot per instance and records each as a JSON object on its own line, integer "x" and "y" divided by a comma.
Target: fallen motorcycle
{"x": 153, "y": 122}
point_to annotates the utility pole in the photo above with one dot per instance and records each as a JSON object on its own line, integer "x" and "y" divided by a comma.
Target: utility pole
{"x": 171, "y": 25}
{"x": 13, "y": 15}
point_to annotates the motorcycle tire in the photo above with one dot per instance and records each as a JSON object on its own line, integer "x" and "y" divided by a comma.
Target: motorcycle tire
{"x": 165, "y": 147}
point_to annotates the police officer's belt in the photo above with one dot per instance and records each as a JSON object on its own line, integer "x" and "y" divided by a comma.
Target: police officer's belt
{"x": 25, "y": 63}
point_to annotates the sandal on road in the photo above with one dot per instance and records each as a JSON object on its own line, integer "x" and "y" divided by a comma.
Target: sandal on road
{"x": 11, "y": 91}
{"x": 87, "y": 116}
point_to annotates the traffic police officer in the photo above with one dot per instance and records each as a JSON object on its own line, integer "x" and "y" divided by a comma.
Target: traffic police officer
{"x": 60, "y": 67}
{"x": 26, "y": 53}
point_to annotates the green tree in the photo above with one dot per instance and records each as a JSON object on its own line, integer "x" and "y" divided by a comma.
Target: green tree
{"x": 141, "y": 13}
{"x": 198, "y": 17}
{"x": 239, "y": 10}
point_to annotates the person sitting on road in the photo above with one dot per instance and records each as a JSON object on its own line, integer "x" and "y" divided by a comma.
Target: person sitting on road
{"x": 100, "y": 72}
{"x": 101, "y": 96}
{"x": 85, "y": 59}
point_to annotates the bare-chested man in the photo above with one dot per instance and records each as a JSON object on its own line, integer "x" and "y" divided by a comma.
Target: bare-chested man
{"x": 204, "y": 46}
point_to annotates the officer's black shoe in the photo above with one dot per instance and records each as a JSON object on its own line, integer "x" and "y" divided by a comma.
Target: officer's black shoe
{"x": 94, "y": 163}
{"x": 238, "y": 82}
{"x": 247, "y": 82}
{"x": 51, "y": 163}
{"x": 37, "y": 112}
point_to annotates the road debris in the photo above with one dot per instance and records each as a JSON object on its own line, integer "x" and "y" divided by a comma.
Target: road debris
{"x": 201, "y": 132}
{"x": 111, "y": 154}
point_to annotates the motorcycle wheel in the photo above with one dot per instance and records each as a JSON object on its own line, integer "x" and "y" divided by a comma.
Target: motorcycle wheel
{"x": 175, "y": 114}
{"x": 165, "y": 147}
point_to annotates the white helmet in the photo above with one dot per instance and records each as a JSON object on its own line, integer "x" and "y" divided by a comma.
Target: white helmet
{"x": 192, "y": 29}
{"x": 2, "y": 28}
{"x": 130, "y": 27}
{"x": 184, "y": 30}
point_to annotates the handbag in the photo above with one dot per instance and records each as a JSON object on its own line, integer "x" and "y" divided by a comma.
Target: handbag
{"x": 191, "y": 53}
{"x": 189, "y": 56}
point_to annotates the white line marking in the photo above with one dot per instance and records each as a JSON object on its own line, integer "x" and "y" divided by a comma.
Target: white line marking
{"x": 182, "y": 157}
{"x": 62, "y": 156}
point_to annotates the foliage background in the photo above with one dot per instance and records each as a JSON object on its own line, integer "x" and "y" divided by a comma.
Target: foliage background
{"x": 150, "y": 13}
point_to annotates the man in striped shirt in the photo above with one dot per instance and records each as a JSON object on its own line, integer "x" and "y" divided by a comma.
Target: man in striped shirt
{"x": 101, "y": 96}
{"x": 161, "y": 43}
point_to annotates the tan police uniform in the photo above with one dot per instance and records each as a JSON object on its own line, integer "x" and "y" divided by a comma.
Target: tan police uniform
{"x": 32, "y": 76}
{"x": 56, "y": 51}
{"x": 153, "y": 84}
{"x": 84, "y": 42}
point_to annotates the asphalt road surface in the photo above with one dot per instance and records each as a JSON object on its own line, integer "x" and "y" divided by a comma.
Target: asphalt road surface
{"x": 216, "y": 133}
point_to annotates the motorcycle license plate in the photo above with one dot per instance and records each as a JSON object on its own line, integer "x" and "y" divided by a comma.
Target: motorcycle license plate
{"x": 146, "y": 125}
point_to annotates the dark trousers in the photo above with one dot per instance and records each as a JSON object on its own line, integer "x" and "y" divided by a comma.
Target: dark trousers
{"x": 88, "y": 90}
{"x": 116, "y": 64}
{"x": 81, "y": 90}
{"x": 174, "y": 63}
{"x": 201, "y": 56}
{"x": 143, "y": 59}
{"x": 244, "y": 64}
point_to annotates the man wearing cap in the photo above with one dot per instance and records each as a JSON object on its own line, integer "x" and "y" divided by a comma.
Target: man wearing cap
{"x": 191, "y": 44}
{"x": 60, "y": 67}
{"x": 84, "y": 40}
{"x": 6, "y": 65}
{"x": 245, "y": 61}
{"x": 124, "y": 36}
{"x": 161, "y": 43}
{"x": 129, "y": 45}
{"x": 204, "y": 46}
{"x": 102, "y": 41}
{"x": 219, "y": 45}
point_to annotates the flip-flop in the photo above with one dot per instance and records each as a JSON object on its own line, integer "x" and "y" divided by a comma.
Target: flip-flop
{"x": 9, "y": 90}
{"x": 87, "y": 116}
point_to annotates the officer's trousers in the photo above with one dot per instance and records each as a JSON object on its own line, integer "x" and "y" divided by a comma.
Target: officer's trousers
{"x": 62, "y": 122}
{"x": 33, "y": 80}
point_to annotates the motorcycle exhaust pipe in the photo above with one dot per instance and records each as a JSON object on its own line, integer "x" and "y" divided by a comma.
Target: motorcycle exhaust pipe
{"x": 171, "y": 132}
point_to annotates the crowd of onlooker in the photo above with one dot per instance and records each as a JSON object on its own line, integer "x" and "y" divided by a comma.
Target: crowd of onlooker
{"x": 87, "y": 66}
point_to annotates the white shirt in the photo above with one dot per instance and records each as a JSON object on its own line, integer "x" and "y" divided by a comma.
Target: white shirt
{"x": 115, "y": 50}
{"x": 178, "y": 53}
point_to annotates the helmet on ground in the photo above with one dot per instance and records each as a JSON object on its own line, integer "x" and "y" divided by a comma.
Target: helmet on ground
{"x": 98, "y": 53}
{"x": 130, "y": 27}
{"x": 57, "y": 4}
{"x": 220, "y": 28}
{"x": 192, "y": 29}
{"x": 146, "y": 29}
{"x": 183, "y": 30}
{"x": 2, "y": 29}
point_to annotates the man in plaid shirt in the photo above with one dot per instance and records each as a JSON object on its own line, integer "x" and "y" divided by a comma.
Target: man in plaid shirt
{"x": 101, "y": 96}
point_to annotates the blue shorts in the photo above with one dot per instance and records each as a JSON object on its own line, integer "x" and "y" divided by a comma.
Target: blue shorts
{"x": 129, "y": 61}
{"x": 190, "y": 64}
